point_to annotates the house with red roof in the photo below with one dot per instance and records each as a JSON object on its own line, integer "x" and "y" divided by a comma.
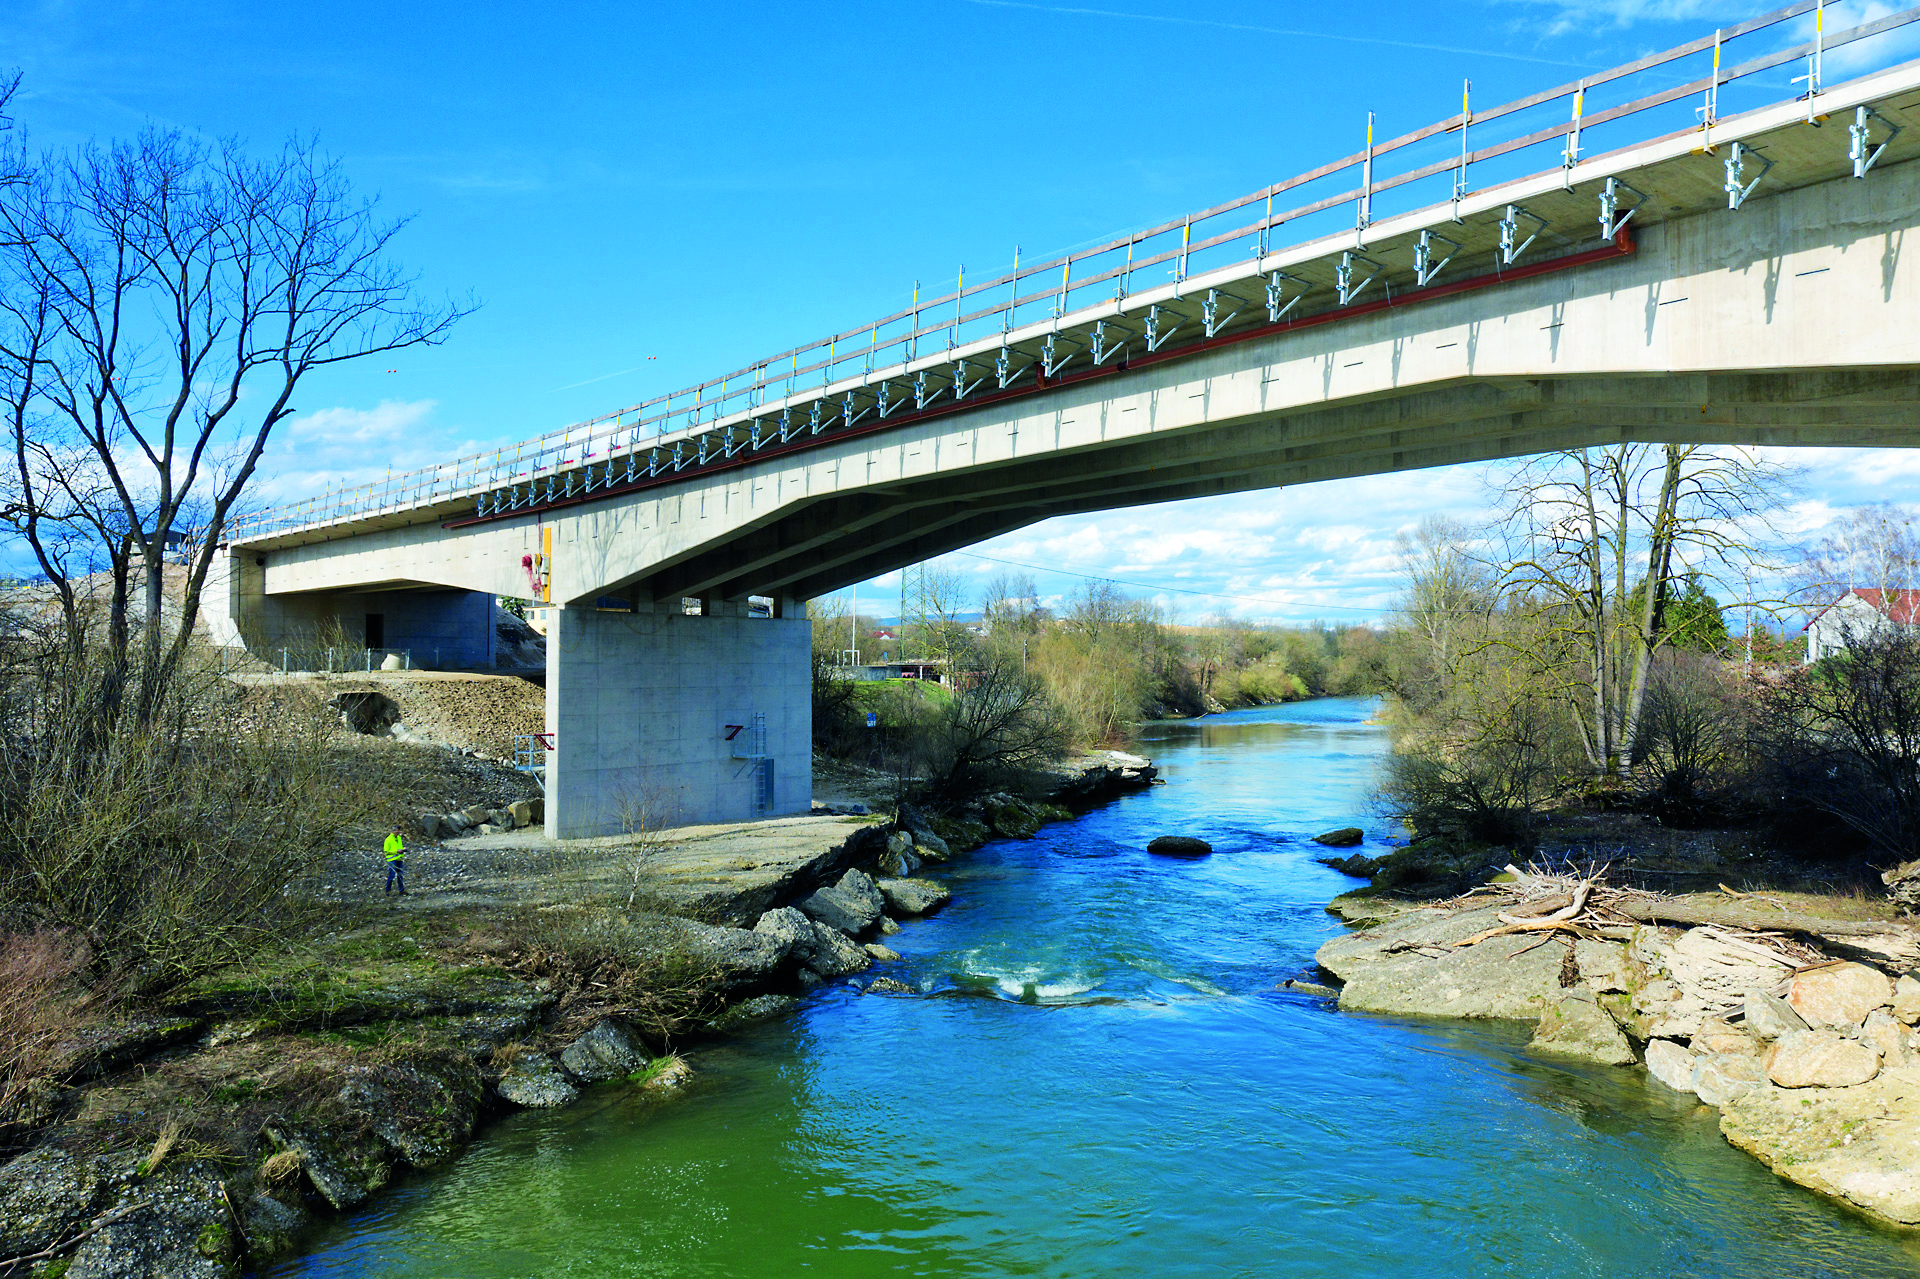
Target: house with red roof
{"x": 1861, "y": 612}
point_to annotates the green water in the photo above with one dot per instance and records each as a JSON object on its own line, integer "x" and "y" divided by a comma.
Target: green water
{"x": 1104, "y": 1081}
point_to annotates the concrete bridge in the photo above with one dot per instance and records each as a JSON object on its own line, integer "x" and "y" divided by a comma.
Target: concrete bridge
{"x": 1742, "y": 279}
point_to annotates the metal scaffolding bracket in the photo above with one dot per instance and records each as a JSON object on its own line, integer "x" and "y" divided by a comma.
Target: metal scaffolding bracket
{"x": 1210, "y": 310}
{"x": 787, "y": 428}
{"x": 1276, "y": 291}
{"x": 707, "y": 449}
{"x": 921, "y": 395}
{"x": 1860, "y": 137}
{"x": 961, "y": 387}
{"x": 1051, "y": 365}
{"x": 1737, "y": 191}
{"x": 1101, "y": 351}
{"x": 1343, "y": 275}
{"x": 815, "y": 424}
{"x": 885, "y": 402}
{"x": 1611, "y": 225}
{"x": 1424, "y": 267}
{"x": 1155, "y": 338}
{"x": 1511, "y": 246}
{"x": 739, "y": 436}
{"x": 679, "y": 454}
{"x": 848, "y": 413}
{"x": 653, "y": 461}
{"x": 1003, "y": 369}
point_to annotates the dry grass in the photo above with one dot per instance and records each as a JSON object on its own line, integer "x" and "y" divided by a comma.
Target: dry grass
{"x": 42, "y": 1004}
{"x": 281, "y": 1169}
{"x": 162, "y": 1147}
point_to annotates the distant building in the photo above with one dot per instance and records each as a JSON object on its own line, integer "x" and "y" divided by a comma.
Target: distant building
{"x": 1862, "y": 611}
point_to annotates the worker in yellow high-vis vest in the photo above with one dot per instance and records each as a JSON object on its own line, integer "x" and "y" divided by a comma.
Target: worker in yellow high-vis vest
{"x": 396, "y": 861}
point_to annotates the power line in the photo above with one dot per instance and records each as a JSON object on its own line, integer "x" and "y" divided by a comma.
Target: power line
{"x": 1178, "y": 590}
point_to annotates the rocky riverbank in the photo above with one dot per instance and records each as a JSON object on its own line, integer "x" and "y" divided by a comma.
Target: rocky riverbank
{"x": 1798, "y": 1026}
{"x": 205, "y": 1134}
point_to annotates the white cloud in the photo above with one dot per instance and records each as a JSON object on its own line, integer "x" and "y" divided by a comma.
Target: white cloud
{"x": 1594, "y": 15}
{"x": 342, "y": 446}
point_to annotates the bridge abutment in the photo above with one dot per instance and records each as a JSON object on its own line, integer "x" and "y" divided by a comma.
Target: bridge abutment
{"x": 440, "y": 627}
{"x": 660, "y": 718}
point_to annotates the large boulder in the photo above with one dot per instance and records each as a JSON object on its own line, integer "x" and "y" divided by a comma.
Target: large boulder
{"x": 344, "y": 1166}
{"x": 1671, "y": 1064}
{"x": 929, "y": 847}
{"x": 1179, "y": 846}
{"x": 834, "y": 954}
{"x": 789, "y": 929}
{"x": 741, "y": 958}
{"x": 535, "y": 1082}
{"x": 759, "y": 1008}
{"x": 899, "y": 857}
{"x": 1345, "y": 837}
{"x": 1769, "y": 1017}
{"x": 1839, "y": 995}
{"x": 423, "y": 1111}
{"x": 963, "y": 833}
{"x": 606, "y": 1051}
{"x": 1855, "y": 1144}
{"x": 1820, "y": 1059}
{"x": 1887, "y": 1036}
{"x": 1720, "y": 1077}
{"x": 1605, "y": 967}
{"x": 1409, "y": 966}
{"x": 821, "y": 950}
{"x": 1711, "y": 972}
{"x": 1906, "y": 999}
{"x": 1010, "y": 818}
{"x": 852, "y": 905}
{"x": 914, "y": 896}
{"x": 1574, "y": 1025}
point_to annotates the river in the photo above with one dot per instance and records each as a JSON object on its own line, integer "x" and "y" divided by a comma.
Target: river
{"x": 1105, "y": 1082}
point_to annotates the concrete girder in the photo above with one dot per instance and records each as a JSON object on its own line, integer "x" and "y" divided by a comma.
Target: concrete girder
{"x": 1154, "y": 479}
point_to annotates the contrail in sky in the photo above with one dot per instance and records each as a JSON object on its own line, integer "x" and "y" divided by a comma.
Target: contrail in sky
{"x": 1079, "y": 11}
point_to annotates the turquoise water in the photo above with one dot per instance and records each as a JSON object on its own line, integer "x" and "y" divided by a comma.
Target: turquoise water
{"x": 1104, "y": 1081}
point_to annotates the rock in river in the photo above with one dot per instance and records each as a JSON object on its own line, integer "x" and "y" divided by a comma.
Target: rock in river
{"x": 1856, "y": 1144}
{"x": 1574, "y": 1025}
{"x": 914, "y": 896}
{"x": 834, "y": 954}
{"x": 1408, "y": 965}
{"x": 606, "y": 1051}
{"x": 852, "y": 905}
{"x": 1345, "y": 837}
{"x": 1179, "y": 846}
{"x": 741, "y": 958}
{"x": 1671, "y": 1064}
{"x": 535, "y": 1082}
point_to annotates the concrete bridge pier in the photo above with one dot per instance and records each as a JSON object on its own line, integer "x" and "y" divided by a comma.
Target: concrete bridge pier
{"x": 663, "y": 718}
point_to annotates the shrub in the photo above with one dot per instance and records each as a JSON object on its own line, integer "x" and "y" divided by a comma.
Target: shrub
{"x": 170, "y": 846}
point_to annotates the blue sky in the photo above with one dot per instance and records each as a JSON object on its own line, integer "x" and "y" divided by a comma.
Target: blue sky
{"x": 643, "y": 195}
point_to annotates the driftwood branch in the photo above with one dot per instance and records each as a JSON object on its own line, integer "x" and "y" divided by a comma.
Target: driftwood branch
{"x": 1563, "y": 917}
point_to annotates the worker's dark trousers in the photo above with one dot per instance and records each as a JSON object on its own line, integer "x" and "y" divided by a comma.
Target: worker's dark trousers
{"x": 397, "y": 870}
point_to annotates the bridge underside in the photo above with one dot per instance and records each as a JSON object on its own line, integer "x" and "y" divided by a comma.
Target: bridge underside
{"x": 820, "y": 546}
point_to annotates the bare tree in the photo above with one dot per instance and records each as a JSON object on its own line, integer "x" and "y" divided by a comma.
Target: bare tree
{"x": 943, "y": 595}
{"x": 1867, "y": 548}
{"x": 1598, "y": 539}
{"x": 163, "y": 301}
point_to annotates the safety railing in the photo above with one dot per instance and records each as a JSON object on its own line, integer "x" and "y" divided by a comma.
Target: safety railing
{"x": 1449, "y": 159}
